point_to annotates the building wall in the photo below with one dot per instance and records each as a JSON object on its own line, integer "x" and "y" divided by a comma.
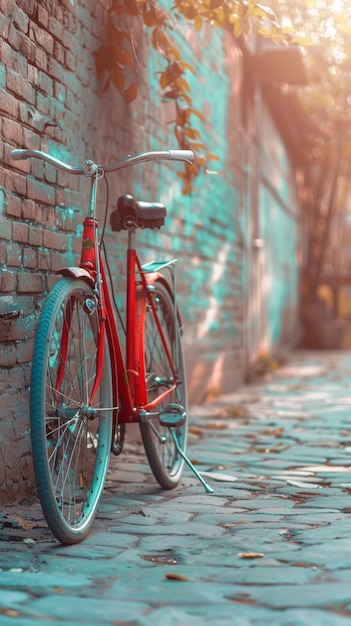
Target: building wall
{"x": 50, "y": 99}
{"x": 272, "y": 239}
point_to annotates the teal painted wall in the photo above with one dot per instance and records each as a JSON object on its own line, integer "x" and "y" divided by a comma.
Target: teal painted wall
{"x": 279, "y": 219}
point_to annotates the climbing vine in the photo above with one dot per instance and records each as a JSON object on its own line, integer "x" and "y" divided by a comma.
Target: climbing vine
{"x": 116, "y": 58}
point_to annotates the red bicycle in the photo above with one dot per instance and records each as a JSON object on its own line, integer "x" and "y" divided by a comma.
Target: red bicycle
{"x": 84, "y": 390}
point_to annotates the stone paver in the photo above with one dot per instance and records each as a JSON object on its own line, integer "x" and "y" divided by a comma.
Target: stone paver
{"x": 272, "y": 545}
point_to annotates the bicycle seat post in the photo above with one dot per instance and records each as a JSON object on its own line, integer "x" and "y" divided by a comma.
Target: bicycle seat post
{"x": 131, "y": 296}
{"x": 131, "y": 239}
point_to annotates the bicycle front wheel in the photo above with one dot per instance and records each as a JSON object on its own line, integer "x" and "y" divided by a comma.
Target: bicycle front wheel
{"x": 70, "y": 434}
{"x": 164, "y": 459}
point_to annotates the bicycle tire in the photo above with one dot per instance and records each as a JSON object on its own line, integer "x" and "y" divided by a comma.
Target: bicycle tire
{"x": 163, "y": 457}
{"x": 70, "y": 443}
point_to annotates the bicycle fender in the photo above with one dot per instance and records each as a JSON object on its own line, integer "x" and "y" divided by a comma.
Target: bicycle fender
{"x": 76, "y": 272}
{"x": 152, "y": 278}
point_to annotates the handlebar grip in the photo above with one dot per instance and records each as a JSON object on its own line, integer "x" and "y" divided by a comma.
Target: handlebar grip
{"x": 181, "y": 155}
{"x": 19, "y": 155}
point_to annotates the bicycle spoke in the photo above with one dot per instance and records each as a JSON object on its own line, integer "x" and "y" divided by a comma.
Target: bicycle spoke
{"x": 162, "y": 453}
{"x": 71, "y": 439}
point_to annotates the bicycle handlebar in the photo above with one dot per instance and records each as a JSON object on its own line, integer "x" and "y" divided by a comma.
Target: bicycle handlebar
{"x": 91, "y": 168}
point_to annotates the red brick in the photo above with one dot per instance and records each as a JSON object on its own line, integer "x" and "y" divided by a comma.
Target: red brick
{"x": 54, "y": 240}
{"x": 12, "y": 131}
{"x": 56, "y": 71}
{"x": 12, "y": 59}
{"x": 16, "y": 84}
{"x": 28, "y": 282}
{"x": 14, "y": 181}
{"x": 14, "y": 37}
{"x": 7, "y": 358}
{"x": 20, "y": 20}
{"x": 31, "y": 326}
{"x": 14, "y": 206}
{"x": 40, "y": 192}
{"x": 2, "y": 254}
{"x": 30, "y": 260}
{"x": 13, "y": 255}
{"x": 13, "y": 330}
{"x": 43, "y": 16}
{"x": 42, "y": 38}
{"x": 53, "y": 220}
{"x": 28, "y": 48}
{"x": 59, "y": 53}
{"x": 37, "y": 168}
{"x": 41, "y": 59}
{"x": 4, "y": 25}
{"x": 5, "y": 229}
{"x": 28, "y": 209}
{"x": 63, "y": 180}
{"x": 8, "y": 104}
{"x": 29, "y": 6}
{"x": 57, "y": 261}
{"x": 51, "y": 281}
{"x": 8, "y": 281}
{"x": 77, "y": 245}
{"x": 24, "y": 353}
{"x": 44, "y": 261}
{"x": 30, "y": 140}
{"x": 43, "y": 105}
{"x": 50, "y": 174}
{"x": 55, "y": 28}
{"x": 70, "y": 61}
{"x": 20, "y": 232}
{"x": 35, "y": 236}
{"x": 33, "y": 74}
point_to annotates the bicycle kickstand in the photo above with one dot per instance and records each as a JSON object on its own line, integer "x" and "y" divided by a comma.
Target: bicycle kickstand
{"x": 207, "y": 487}
{"x": 175, "y": 415}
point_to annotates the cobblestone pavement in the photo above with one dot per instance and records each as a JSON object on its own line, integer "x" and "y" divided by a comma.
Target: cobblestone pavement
{"x": 272, "y": 545}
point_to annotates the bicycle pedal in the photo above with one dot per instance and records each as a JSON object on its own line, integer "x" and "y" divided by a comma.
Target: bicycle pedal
{"x": 172, "y": 416}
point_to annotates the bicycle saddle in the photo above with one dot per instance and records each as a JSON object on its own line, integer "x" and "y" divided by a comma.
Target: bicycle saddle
{"x": 132, "y": 213}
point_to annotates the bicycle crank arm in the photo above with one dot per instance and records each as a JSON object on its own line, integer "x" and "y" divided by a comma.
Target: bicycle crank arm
{"x": 208, "y": 489}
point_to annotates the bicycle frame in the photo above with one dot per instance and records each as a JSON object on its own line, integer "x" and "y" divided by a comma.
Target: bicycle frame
{"x": 128, "y": 374}
{"x": 78, "y": 418}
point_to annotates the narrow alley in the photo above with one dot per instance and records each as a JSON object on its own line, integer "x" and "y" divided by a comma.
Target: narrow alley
{"x": 272, "y": 545}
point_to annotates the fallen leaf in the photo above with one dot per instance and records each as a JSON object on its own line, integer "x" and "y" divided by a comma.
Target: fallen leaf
{"x": 9, "y": 612}
{"x": 194, "y": 430}
{"x": 19, "y": 522}
{"x": 250, "y": 555}
{"x": 174, "y": 576}
{"x": 217, "y": 425}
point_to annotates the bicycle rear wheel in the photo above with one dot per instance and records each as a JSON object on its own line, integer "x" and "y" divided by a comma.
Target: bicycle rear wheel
{"x": 164, "y": 459}
{"x": 71, "y": 438}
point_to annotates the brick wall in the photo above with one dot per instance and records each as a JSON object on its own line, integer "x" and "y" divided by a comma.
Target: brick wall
{"x": 50, "y": 99}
